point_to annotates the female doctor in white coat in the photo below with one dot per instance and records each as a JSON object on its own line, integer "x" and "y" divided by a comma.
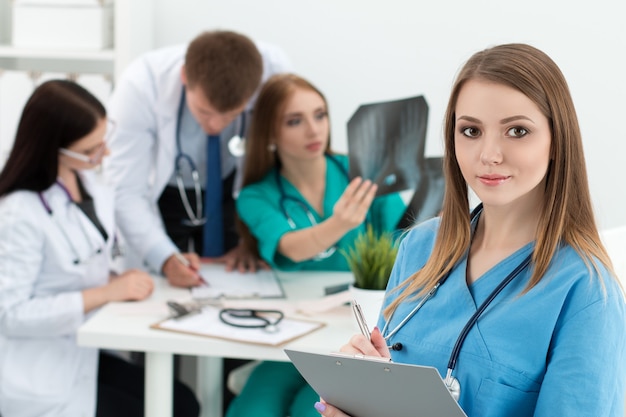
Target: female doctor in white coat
{"x": 56, "y": 228}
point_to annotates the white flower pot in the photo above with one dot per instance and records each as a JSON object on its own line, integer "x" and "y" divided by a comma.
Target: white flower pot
{"x": 371, "y": 302}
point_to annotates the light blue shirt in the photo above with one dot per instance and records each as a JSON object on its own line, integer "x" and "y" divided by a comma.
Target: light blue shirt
{"x": 559, "y": 349}
{"x": 194, "y": 142}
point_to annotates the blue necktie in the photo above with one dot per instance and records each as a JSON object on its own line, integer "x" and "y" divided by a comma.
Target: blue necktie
{"x": 213, "y": 238}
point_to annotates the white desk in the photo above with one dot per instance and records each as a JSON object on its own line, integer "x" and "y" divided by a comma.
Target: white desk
{"x": 125, "y": 326}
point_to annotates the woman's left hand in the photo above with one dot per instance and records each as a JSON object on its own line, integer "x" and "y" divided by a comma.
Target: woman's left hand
{"x": 239, "y": 259}
{"x": 328, "y": 410}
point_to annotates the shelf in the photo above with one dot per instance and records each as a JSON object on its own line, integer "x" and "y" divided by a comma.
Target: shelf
{"x": 61, "y": 60}
{"x": 104, "y": 55}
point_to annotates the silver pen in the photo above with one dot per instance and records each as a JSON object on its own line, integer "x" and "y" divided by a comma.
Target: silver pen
{"x": 360, "y": 319}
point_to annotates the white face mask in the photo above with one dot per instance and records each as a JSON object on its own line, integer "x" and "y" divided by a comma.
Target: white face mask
{"x": 94, "y": 159}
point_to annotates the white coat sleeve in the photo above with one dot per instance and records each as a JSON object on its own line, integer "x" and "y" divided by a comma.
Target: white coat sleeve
{"x": 131, "y": 165}
{"x": 21, "y": 258}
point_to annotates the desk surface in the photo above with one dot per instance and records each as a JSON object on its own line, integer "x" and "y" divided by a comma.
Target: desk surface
{"x": 126, "y": 326}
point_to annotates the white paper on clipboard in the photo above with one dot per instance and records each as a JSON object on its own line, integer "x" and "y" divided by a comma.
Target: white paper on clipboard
{"x": 207, "y": 323}
{"x": 224, "y": 284}
{"x": 371, "y": 388}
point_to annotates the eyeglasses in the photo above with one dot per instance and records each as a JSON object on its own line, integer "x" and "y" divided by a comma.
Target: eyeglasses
{"x": 95, "y": 156}
{"x": 252, "y": 319}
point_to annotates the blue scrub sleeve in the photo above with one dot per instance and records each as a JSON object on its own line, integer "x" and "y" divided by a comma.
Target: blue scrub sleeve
{"x": 265, "y": 221}
{"x": 586, "y": 363}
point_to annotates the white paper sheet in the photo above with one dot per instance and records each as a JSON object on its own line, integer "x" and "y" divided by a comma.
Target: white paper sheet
{"x": 209, "y": 324}
{"x": 224, "y": 284}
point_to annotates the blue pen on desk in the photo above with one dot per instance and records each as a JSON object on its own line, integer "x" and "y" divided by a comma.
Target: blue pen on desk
{"x": 186, "y": 262}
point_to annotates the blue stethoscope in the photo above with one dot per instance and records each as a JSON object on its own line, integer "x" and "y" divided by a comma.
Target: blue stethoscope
{"x": 284, "y": 197}
{"x": 235, "y": 146}
{"x": 452, "y": 383}
{"x": 92, "y": 250}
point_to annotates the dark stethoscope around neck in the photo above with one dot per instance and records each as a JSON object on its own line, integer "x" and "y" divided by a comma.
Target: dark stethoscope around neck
{"x": 77, "y": 258}
{"x": 284, "y": 197}
{"x": 235, "y": 146}
{"x": 450, "y": 381}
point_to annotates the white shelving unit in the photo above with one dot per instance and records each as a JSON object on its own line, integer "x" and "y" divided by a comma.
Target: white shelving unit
{"x": 132, "y": 35}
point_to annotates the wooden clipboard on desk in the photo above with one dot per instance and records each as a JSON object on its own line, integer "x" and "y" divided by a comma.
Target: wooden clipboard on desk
{"x": 207, "y": 323}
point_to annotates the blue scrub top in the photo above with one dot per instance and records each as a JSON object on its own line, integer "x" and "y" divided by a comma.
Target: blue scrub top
{"x": 258, "y": 206}
{"x": 559, "y": 349}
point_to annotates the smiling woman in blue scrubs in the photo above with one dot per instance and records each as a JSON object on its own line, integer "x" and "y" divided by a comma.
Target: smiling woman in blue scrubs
{"x": 551, "y": 339}
{"x": 299, "y": 210}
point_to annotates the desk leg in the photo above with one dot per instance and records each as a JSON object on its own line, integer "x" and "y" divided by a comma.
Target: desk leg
{"x": 210, "y": 386}
{"x": 159, "y": 385}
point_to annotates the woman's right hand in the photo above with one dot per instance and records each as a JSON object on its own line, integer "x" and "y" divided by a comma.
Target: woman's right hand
{"x": 352, "y": 207}
{"x": 376, "y": 346}
{"x": 132, "y": 285}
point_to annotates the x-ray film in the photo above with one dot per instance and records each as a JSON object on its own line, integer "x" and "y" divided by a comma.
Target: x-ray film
{"x": 386, "y": 143}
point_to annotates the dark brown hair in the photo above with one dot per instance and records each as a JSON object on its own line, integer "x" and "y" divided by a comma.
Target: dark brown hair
{"x": 226, "y": 66}
{"x": 57, "y": 114}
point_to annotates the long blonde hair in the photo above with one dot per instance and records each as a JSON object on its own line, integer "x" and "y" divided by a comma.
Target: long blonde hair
{"x": 567, "y": 216}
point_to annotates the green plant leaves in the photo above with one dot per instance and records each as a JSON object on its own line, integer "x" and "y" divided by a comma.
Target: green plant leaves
{"x": 371, "y": 258}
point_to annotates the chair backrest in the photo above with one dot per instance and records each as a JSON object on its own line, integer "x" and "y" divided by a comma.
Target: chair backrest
{"x": 615, "y": 242}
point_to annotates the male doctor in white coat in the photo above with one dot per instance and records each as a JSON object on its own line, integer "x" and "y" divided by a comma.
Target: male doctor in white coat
{"x": 170, "y": 108}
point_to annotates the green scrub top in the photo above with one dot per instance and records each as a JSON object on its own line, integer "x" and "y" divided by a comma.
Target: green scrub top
{"x": 259, "y": 207}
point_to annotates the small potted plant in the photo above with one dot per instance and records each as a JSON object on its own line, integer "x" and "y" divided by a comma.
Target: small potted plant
{"x": 371, "y": 259}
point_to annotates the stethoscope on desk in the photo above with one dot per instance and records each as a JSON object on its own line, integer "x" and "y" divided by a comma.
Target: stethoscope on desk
{"x": 77, "y": 259}
{"x": 452, "y": 382}
{"x": 246, "y": 318}
{"x": 284, "y": 197}
{"x": 235, "y": 146}
{"x": 243, "y": 318}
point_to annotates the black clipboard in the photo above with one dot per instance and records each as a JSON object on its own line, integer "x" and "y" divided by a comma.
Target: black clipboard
{"x": 363, "y": 387}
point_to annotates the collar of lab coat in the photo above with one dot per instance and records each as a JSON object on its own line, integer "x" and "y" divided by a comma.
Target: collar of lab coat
{"x": 102, "y": 195}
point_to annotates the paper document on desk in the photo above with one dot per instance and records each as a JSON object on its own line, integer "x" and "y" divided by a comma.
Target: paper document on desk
{"x": 208, "y": 323}
{"x": 225, "y": 284}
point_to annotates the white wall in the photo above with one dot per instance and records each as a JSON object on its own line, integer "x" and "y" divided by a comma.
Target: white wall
{"x": 360, "y": 51}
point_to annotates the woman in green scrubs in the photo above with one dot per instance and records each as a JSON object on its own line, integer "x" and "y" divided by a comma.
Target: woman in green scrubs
{"x": 298, "y": 208}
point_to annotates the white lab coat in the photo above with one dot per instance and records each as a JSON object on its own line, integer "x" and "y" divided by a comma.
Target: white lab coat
{"x": 43, "y": 372}
{"x": 144, "y": 107}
